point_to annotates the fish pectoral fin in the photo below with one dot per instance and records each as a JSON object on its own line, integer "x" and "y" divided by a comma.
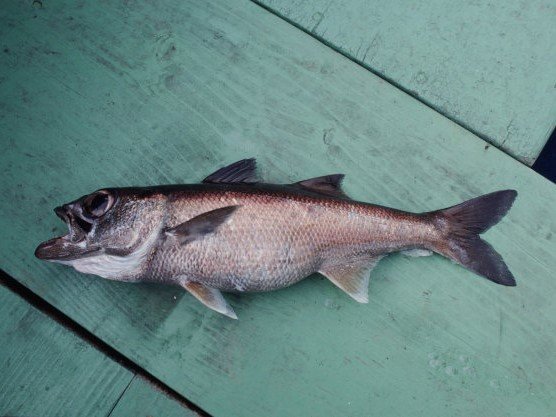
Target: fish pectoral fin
{"x": 328, "y": 185}
{"x": 243, "y": 171}
{"x": 210, "y": 297}
{"x": 201, "y": 225}
{"x": 353, "y": 278}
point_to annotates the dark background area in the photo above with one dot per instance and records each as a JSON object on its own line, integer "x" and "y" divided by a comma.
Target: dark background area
{"x": 546, "y": 162}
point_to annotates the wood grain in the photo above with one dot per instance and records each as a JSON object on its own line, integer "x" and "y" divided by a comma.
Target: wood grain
{"x": 485, "y": 65}
{"x": 96, "y": 95}
{"x": 48, "y": 371}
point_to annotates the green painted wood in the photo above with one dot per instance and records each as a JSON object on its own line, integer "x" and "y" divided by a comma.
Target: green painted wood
{"x": 117, "y": 94}
{"x": 47, "y": 371}
{"x": 486, "y": 65}
{"x": 141, "y": 399}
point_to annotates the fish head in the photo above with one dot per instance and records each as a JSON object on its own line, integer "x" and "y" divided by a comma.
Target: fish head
{"x": 111, "y": 222}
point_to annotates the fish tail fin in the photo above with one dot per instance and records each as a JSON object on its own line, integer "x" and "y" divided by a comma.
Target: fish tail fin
{"x": 460, "y": 227}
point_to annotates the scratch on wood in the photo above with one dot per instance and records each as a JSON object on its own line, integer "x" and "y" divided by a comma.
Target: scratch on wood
{"x": 508, "y": 127}
{"x": 366, "y": 52}
{"x": 321, "y": 16}
{"x": 121, "y": 395}
{"x": 500, "y": 332}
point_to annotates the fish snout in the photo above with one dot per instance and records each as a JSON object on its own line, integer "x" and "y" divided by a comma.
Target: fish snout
{"x": 48, "y": 250}
{"x": 70, "y": 245}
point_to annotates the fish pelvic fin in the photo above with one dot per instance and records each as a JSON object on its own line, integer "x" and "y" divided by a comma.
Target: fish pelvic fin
{"x": 210, "y": 297}
{"x": 352, "y": 276}
{"x": 460, "y": 227}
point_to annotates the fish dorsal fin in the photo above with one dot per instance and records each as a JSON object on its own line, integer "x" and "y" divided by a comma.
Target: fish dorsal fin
{"x": 211, "y": 297}
{"x": 243, "y": 171}
{"x": 201, "y": 225}
{"x": 353, "y": 278}
{"x": 328, "y": 185}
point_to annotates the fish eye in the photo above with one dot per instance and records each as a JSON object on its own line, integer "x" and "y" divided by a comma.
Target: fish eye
{"x": 97, "y": 204}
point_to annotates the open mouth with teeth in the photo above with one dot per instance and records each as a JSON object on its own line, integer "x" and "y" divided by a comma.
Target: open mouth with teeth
{"x": 78, "y": 227}
{"x": 72, "y": 245}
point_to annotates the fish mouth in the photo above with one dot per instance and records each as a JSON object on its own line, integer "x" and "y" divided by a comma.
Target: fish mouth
{"x": 70, "y": 246}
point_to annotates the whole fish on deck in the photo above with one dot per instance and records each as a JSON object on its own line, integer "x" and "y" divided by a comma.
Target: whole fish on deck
{"x": 232, "y": 233}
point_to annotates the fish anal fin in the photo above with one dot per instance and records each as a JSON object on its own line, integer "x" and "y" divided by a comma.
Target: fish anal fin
{"x": 210, "y": 297}
{"x": 351, "y": 277}
{"x": 328, "y": 184}
{"x": 416, "y": 253}
{"x": 201, "y": 225}
{"x": 243, "y": 171}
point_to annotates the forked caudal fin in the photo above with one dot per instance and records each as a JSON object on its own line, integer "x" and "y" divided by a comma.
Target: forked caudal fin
{"x": 461, "y": 226}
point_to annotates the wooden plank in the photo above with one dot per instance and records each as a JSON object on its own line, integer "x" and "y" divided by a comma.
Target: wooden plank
{"x": 112, "y": 94}
{"x": 482, "y": 64}
{"x": 142, "y": 399}
{"x": 47, "y": 371}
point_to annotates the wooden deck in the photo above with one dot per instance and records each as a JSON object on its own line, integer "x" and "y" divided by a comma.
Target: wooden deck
{"x": 484, "y": 65}
{"x": 97, "y": 94}
{"x": 48, "y": 371}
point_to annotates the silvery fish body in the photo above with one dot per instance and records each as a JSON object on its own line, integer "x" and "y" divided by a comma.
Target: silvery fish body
{"x": 231, "y": 233}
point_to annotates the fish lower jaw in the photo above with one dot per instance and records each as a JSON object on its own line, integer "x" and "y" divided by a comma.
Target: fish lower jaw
{"x": 118, "y": 268}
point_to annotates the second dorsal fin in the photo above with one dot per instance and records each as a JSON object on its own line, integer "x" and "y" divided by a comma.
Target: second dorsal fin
{"x": 327, "y": 184}
{"x": 239, "y": 172}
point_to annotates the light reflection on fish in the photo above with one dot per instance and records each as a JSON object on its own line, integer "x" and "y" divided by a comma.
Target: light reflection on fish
{"x": 232, "y": 233}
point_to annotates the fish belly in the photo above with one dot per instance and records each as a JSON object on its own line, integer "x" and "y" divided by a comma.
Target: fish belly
{"x": 250, "y": 264}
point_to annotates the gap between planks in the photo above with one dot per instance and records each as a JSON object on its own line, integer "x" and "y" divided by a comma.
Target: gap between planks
{"x": 81, "y": 332}
{"x": 383, "y": 77}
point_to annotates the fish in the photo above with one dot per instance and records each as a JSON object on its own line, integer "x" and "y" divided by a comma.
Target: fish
{"x": 234, "y": 233}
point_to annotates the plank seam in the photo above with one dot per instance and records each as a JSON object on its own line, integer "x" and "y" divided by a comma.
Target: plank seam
{"x": 96, "y": 342}
{"x": 388, "y": 80}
